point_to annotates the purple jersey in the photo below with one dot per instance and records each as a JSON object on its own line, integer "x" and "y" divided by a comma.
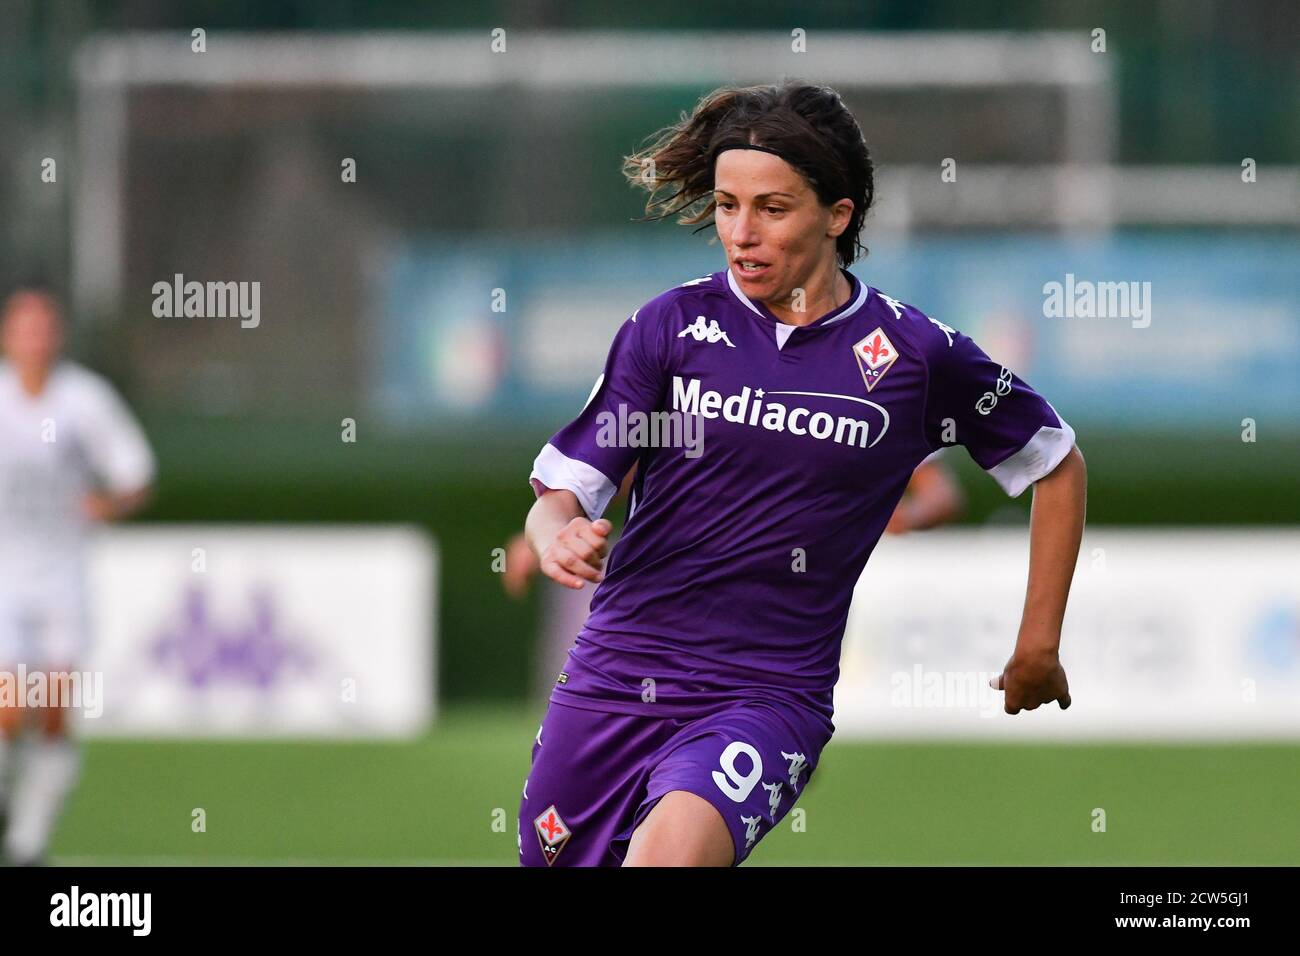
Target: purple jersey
{"x": 734, "y": 572}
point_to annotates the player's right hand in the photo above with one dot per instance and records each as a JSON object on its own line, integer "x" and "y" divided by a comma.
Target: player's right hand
{"x": 577, "y": 553}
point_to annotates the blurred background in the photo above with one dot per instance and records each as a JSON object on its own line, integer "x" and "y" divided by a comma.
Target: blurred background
{"x": 430, "y": 197}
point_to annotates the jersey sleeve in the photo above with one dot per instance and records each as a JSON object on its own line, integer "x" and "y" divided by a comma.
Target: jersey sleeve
{"x": 115, "y": 444}
{"x": 1010, "y": 430}
{"x": 585, "y": 456}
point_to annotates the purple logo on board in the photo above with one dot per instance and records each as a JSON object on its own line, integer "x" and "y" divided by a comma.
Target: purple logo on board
{"x": 252, "y": 652}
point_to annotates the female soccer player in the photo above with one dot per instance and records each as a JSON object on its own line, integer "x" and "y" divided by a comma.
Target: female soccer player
{"x": 71, "y": 454}
{"x": 697, "y": 698}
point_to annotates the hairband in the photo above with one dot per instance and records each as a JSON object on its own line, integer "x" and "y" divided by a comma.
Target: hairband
{"x": 741, "y": 144}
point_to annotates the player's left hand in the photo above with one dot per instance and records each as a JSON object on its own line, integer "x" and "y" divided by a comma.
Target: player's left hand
{"x": 521, "y": 565}
{"x": 1030, "y": 680}
{"x": 98, "y": 507}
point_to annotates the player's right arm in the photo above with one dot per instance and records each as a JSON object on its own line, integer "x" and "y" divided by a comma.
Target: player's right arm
{"x": 579, "y": 471}
{"x": 570, "y": 547}
{"x": 521, "y": 559}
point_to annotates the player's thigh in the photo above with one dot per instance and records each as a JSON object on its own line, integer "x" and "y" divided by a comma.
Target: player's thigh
{"x": 588, "y": 776}
{"x": 63, "y": 631}
{"x": 682, "y": 829}
{"x": 58, "y": 639}
{"x": 750, "y": 763}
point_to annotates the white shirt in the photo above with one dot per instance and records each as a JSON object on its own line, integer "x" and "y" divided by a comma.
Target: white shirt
{"x": 75, "y": 436}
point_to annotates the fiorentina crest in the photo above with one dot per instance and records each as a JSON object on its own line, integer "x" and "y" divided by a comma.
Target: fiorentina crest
{"x": 552, "y": 833}
{"x": 875, "y": 354}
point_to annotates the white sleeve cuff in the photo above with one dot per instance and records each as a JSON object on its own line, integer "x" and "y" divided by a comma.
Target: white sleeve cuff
{"x": 552, "y": 470}
{"x": 1036, "y": 460}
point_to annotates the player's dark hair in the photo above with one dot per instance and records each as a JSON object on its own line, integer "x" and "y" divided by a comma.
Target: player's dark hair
{"x": 33, "y": 285}
{"x": 807, "y": 126}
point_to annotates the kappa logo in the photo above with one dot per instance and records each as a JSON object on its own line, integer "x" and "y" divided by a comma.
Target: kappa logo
{"x": 988, "y": 400}
{"x": 552, "y": 833}
{"x": 947, "y": 330}
{"x": 893, "y": 303}
{"x": 798, "y": 764}
{"x": 751, "y": 829}
{"x": 773, "y": 798}
{"x": 875, "y": 354}
{"x": 706, "y": 333}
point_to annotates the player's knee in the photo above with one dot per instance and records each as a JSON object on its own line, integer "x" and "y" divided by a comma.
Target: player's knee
{"x": 11, "y": 720}
{"x": 12, "y": 714}
{"x": 54, "y": 721}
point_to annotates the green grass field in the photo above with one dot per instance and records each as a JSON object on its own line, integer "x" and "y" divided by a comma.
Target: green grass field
{"x": 433, "y": 802}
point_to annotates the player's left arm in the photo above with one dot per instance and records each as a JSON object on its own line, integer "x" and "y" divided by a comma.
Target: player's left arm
{"x": 120, "y": 457}
{"x": 1034, "y": 675}
{"x": 1015, "y": 435}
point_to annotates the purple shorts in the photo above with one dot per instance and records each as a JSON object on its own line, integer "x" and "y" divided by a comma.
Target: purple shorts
{"x": 596, "y": 775}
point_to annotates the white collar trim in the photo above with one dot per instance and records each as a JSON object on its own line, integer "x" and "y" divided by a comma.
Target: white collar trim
{"x": 857, "y": 303}
{"x": 731, "y": 281}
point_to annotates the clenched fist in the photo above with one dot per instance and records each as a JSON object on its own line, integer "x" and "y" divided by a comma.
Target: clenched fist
{"x": 1032, "y": 680}
{"x": 577, "y": 552}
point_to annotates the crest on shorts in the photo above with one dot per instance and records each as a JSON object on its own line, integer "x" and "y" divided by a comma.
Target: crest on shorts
{"x": 552, "y": 833}
{"x": 874, "y": 354}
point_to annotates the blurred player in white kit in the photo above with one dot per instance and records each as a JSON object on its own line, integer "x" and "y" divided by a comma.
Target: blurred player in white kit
{"x": 71, "y": 454}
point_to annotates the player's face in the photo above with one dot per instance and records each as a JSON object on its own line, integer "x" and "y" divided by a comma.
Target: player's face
{"x": 32, "y": 334}
{"x": 767, "y": 212}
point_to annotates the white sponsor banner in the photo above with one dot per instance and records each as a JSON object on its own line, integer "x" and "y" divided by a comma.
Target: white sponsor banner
{"x": 1184, "y": 634}
{"x": 263, "y": 631}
